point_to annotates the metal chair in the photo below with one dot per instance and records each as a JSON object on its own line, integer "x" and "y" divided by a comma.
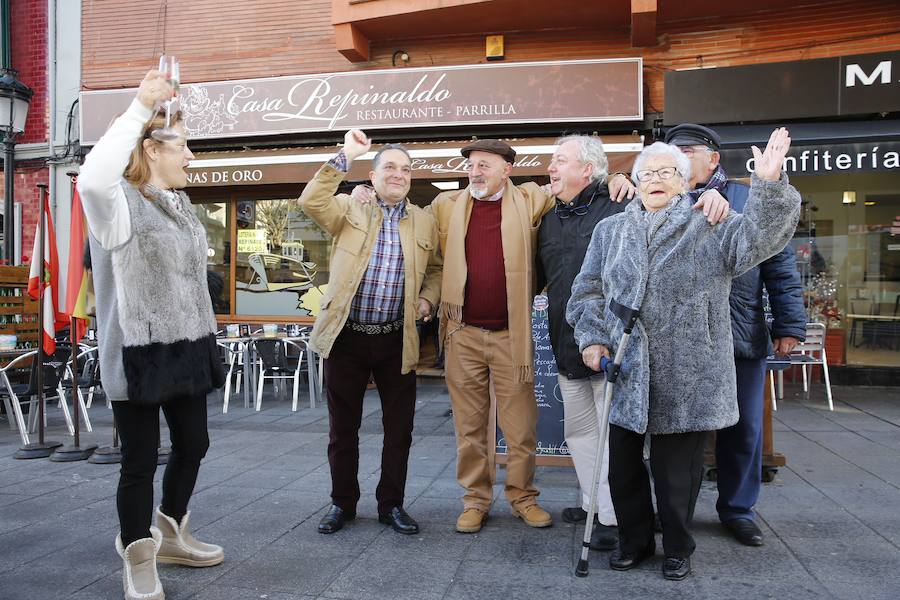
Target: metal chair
{"x": 272, "y": 357}
{"x": 806, "y": 354}
{"x": 233, "y": 359}
{"x": 87, "y": 366}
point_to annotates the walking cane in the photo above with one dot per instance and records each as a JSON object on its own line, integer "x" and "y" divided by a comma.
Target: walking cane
{"x": 612, "y": 368}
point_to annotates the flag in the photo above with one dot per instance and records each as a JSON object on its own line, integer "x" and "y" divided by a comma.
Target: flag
{"x": 76, "y": 280}
{"x": 46, "y": 275}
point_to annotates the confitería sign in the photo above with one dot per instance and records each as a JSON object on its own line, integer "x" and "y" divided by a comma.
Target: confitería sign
{"x": 538, "y": 92}
{"x": 825, "y": 159}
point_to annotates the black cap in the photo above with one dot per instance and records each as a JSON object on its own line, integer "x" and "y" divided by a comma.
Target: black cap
{"x": 494, "y": 147}
{"x": 690, "y": 134}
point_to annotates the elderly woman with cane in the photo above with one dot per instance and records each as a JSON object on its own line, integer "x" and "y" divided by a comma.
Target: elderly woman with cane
{"x": 156, "y": 329}
{"x": 677, "y": 380}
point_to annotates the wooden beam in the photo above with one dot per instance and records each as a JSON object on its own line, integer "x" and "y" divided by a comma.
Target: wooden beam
{"x": 643, "y": 22}
{"x": 351, "y": 42}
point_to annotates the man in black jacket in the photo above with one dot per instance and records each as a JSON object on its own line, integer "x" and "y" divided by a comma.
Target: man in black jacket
{"x": 739, "y": 447}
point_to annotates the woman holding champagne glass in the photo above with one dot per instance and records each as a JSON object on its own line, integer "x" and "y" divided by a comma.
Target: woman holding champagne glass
{"x": 156, "y": 328}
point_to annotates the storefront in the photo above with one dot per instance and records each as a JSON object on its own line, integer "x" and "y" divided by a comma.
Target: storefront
{"x": 272, "y": 258}
{"x": 845, "y": 160}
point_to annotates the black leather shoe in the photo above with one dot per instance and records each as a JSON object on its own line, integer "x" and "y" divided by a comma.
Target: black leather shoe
{"x": 335, "y": 519}
{"x": 623, "y": 561}
{"x": 575, "y": 514}
{"x": 604, "y": 537}
{"x": 745, "y": 531}
{"x": 676, "y": 568}
{"x": 400, "y": 521}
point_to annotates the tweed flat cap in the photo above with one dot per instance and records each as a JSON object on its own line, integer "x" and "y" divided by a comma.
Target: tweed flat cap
{"x": 689, "y": 134}
{"x": 494, "y": 147}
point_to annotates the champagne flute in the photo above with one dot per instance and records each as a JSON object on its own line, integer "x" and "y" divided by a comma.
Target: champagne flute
{"x": 169, "y": 67}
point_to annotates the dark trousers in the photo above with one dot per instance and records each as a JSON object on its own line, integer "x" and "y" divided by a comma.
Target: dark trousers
{"x": 676, "y": 462}
{"x": 353, "y": 357}
{"x": 739, "y": 447}
{"x": 139, "y": 431}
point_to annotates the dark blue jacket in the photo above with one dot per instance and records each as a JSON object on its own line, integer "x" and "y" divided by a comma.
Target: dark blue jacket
{"x": 782, "y": 281}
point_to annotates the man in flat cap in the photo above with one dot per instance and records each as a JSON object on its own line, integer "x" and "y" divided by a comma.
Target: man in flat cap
{"x": 488, "y": 236}
{"x": 739, "y": 447}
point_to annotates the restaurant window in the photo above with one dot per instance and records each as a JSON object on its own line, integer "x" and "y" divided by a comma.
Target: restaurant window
{"x": 848, "y": 251}
{"x": 282, "y": 259}
{"x": 216, "y": 218}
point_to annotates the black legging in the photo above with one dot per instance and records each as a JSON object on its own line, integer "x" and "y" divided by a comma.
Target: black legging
{"x": 139, "y": 431}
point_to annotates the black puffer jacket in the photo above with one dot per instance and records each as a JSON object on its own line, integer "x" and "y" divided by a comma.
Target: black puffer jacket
{"x": 561, "y": 247}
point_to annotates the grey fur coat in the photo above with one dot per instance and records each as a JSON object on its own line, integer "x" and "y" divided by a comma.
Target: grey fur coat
{"x": 678, "y": 371}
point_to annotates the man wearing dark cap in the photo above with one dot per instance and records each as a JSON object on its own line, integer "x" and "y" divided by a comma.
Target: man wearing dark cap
{"x": 487, "y": 234}
{"x": 739, "y": 447}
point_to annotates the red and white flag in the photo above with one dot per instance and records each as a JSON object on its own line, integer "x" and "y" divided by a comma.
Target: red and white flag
{"x": 47, "y": 275}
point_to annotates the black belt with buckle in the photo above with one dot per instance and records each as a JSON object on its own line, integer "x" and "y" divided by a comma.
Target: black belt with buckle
{"x": 374, "y": 328}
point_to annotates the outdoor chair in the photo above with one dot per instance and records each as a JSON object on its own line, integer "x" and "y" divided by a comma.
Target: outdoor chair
{"x": 233, "y": 361}
{"x": 87, "y": 367}
{"x": 275, "y": 362}
{"x": 806, "y": 354}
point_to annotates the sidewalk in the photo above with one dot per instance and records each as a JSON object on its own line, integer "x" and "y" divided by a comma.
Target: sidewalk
{"x": 831, "y": 518}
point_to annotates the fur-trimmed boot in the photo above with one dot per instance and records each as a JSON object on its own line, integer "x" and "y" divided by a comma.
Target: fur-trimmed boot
{"x": 180, "y": 548}
{"x": 139, "y": 577}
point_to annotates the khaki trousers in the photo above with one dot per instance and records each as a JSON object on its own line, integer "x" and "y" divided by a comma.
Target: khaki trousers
{"x": 474, "y": 358}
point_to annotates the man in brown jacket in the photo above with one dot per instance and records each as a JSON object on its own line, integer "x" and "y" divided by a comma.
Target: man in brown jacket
{"x": 488, "y": 234}
{"x": 385, "y": 273}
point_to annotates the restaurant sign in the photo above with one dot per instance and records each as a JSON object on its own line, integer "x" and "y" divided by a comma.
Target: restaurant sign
{"x": 537, "y": 92}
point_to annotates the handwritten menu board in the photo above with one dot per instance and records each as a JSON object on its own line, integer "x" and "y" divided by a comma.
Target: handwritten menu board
{"x": 551, "y": 440}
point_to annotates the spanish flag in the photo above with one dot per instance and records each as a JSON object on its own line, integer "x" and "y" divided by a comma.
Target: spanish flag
{"x": 47, "y": 276}
{"x": 77, "y": 280}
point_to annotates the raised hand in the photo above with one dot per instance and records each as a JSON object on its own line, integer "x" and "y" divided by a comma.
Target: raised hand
{"x": 154, "y": 89}
{"x": 356, "y": 143}
{"x": 769, "y": 162}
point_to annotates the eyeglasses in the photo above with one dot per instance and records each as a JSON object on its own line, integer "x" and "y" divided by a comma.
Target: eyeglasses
{"x": 664, "y": 173}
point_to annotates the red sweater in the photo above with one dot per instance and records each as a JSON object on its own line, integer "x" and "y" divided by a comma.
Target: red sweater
{"x": 485, "y": 299}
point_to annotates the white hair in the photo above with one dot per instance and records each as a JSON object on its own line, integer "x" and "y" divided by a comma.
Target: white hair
{"x": 591, "y": 152}
{"x": 682, "y": 162}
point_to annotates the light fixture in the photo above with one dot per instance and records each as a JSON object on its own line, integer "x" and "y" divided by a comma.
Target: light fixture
{"x": 870, "y": 203}
{"x": 446, "y": 185}
{"x": 403, "y": 55}
{"x": 849, "y": 197}
{"x": 15, "y": 97}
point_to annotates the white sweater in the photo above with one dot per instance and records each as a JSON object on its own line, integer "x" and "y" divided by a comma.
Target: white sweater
{"x": 100, "y": 180}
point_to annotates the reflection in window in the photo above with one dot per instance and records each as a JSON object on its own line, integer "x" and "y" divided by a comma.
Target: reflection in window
{"x": 282, "y": 260}
{"x": 215, "y": 217}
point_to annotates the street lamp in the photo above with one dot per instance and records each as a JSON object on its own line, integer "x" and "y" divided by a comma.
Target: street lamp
{"x": 14, "y": 99}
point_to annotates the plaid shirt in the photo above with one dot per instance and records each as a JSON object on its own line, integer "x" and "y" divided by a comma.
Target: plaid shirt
{"x": 379, "y": 298}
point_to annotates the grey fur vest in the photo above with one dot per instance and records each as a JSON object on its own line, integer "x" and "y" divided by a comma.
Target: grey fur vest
{"x": 157, "y": 327}
{"x": 678, "y": 372}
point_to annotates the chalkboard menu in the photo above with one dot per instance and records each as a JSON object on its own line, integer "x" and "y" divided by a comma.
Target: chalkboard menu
{"x": 551, "y": 440}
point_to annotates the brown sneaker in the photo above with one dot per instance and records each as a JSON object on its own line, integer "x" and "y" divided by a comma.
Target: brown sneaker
{"x": 471, "y": 520}
{"x": 533, "y": 515}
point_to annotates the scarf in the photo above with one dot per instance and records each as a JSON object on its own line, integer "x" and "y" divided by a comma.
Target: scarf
{"x": 717, "y": 182}
{"x": 518, "y": 252}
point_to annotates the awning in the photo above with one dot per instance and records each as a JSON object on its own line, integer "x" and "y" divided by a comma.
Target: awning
{"x": 430, "y": 160}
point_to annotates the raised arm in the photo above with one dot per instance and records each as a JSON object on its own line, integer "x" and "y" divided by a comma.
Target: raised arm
{"x": 318, "y": 199}
{"x": 99, "y": 182}
{"x": 770, "y": 215}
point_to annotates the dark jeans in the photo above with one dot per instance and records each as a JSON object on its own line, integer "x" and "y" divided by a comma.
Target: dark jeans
{"x": 676, "y": 462}
{"x": 139, "y": 431}
{"x": 739, "y": 447}
{"x": 353, "y": 357}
